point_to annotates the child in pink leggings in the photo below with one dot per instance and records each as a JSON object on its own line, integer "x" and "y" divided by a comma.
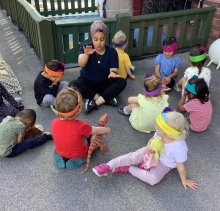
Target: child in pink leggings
{"x": 172, "y": 129}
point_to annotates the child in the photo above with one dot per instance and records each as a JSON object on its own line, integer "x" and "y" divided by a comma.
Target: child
{"x": 167, "y": 64}
{"x": 47, "y": 84}
{"x": 120, "y": 42}
{"x": 172, "y": 129}
{"x": 199, "y": 105}
{"x": 144, "y": 109}
{"x": 197, "y": 60}
{"x": 13, "y": 105}
{"x": 12, "y": 134}
{"x": 70, "y": 135}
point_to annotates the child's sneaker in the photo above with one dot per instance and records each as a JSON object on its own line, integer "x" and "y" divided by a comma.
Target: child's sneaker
{"x": 121, "y": 111}
{"x": 177, "y": 88}
{"x": 166, "y": 88}
{"x": 101, "y": 170}
{"x": 75, "y": 163}
{"x": 122, "y": 169}
{"x": 58, "y": 161}
{"x": 48, "y": 136}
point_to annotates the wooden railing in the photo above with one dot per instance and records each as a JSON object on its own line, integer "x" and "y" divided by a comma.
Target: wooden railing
{"x": 61, "y": 40}
{"x": 60, "y": 7}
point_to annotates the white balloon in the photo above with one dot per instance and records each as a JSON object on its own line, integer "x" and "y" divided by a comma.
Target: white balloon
{"x": 214, "y": 53}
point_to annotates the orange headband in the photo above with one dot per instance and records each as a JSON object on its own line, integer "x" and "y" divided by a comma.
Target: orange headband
{"x": 72, "y": 112}
{"x": 53, "y": 73}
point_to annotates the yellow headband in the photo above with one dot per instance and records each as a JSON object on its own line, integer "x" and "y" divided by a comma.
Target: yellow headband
{"x": 165, "y": 127}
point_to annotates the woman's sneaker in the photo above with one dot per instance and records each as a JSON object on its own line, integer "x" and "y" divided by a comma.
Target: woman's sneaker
{"x": 113, "y": 102}
{"x": 90, "y": 105}
{"x": 101, "y": 170}
{"x": 122, "y": 169}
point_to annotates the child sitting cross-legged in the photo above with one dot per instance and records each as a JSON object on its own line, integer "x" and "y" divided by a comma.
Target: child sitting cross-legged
{"x": 12, "y": 134}
{"x": 144, "y": 108}
{"x": 198, "y": 106}
{"x": 120, "y": 42}
{"x": 167, "y": 63}
{"x": 48, "y": 83}
{"x": 71, "y": 136}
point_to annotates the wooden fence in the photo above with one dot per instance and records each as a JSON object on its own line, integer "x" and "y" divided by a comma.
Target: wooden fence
{"x": 61, "y": 40}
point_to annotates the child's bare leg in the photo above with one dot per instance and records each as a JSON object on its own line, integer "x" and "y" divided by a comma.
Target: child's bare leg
{"x": 180, "y": 82}
{"x": 132, "y": 103}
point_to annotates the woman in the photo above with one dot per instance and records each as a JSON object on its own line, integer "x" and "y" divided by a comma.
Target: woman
{"x": 99, "y": 82}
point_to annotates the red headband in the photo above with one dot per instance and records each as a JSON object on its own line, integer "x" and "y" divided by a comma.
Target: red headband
{"x": 50, "y": 72}
{"x": 172, "y": 48}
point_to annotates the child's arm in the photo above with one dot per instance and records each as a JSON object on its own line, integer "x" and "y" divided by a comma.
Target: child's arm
{"x": 100, "y": 130}
{"x": 168, "y": 78}
{"x": 20, "y": 138}
{"x": 128, "y": 70}
{"x": 185, "y": 181}
{"x": 180, "y": 105}
{"x": 157, "y": 70}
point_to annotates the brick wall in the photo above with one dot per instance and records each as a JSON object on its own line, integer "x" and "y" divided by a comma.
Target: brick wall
{"x": 215, "y": 31}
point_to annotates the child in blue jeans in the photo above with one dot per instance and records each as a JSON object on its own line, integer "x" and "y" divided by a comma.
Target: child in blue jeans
{"x": 167, "y": 64}
{"x": 12, "y": 134}
{"x": 48, "y": 83}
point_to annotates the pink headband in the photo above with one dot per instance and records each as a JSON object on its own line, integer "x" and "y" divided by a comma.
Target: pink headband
{"x": 173, "y": 47}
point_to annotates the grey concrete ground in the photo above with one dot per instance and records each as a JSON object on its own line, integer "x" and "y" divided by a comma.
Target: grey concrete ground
{"x": 30, "y": 181}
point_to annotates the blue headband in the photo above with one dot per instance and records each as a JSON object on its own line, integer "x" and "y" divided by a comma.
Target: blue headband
{"x": 121, "y": 44}
{"x": 191, "y": 88}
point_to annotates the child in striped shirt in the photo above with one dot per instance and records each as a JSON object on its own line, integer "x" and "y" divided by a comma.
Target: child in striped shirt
{"x": 199, "y": 105}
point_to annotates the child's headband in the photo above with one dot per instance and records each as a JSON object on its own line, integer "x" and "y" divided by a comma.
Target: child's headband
{"x": 162, "y": 122}
{"x": 153, "y": 93}
{"x": 171, "y": 48}
{"x": 50, "y": 72}
{"x": 198, "y": 58}
{"x": 191, "y": 88}
{"x": 72, "y": 112}
{"x": 121, "y": 44}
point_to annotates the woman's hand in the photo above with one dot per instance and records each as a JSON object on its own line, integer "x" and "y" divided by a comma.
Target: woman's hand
{"x": 88, "y": 50}
{"x": 113, "y": 75}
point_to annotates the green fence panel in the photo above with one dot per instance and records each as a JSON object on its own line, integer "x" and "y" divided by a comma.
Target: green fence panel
{"x": 38, "y": 31}
{"x": 62, "y": 40}
{"x": 60, "y": 7}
